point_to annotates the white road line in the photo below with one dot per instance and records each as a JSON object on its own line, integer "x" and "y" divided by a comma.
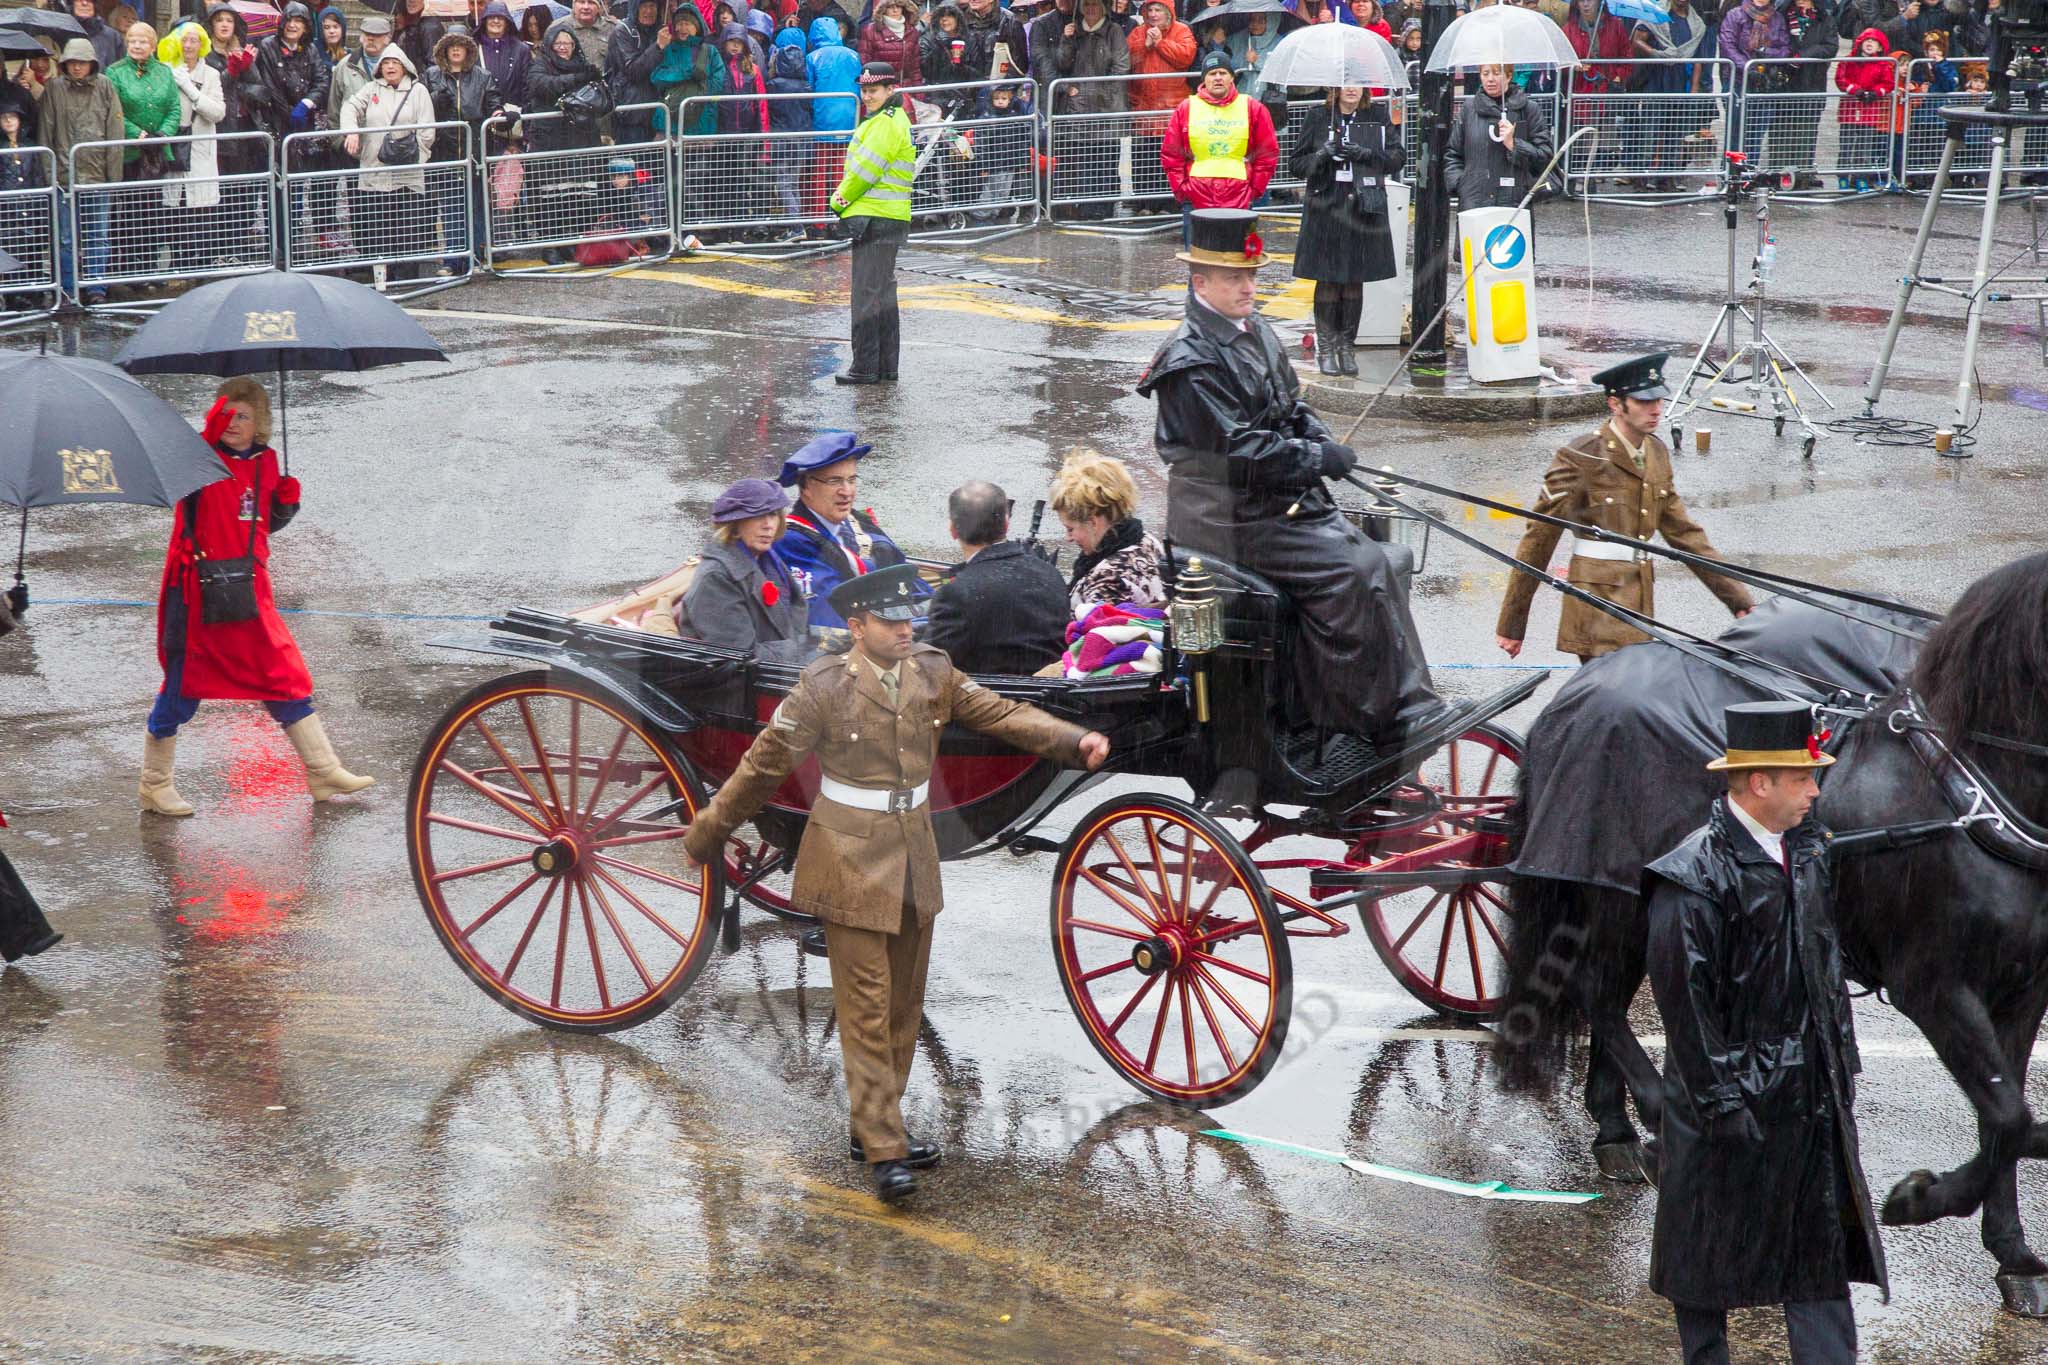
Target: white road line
{"x": 1916, "y": 1048}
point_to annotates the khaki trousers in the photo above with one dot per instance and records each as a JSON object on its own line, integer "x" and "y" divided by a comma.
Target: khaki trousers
{"x": 878, "y": 994}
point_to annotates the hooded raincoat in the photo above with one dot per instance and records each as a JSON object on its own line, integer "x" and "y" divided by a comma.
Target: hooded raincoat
{"x": 835, "y": 70}
{"x": 288, "y": 83}
{"x": 507, "y": 58}
{"x": 1747, "y": 970}
{"x": 551, "y": 78}
{"x": 689, "y": 69}
{"x": 630, "y": 58}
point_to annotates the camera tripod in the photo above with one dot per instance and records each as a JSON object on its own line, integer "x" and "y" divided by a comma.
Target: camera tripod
{"x": 2018, "y": 46}
{"x": 1756, "y": 362}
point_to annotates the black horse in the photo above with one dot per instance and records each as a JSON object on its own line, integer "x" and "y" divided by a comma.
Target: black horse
{"x": 1956, "y": 935}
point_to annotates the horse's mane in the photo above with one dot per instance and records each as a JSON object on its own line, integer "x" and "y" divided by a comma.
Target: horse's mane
{"x": 1985, "y": 666}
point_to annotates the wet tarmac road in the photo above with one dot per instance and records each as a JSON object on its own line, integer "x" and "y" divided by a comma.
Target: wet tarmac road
{"x": 253, "y": 1112}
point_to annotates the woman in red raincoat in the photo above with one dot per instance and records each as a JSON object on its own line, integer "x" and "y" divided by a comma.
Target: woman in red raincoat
{"x": 254, "y": 660}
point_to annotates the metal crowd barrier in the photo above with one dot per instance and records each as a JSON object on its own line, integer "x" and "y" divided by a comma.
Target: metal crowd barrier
{"x": 1104, "y": 164}
{"x": 404, "y": 225}
{"x": 179, "y": 227}
{"x": 977, "y": 171}
{"x": 755, "y": 182}
{"x": 28, "y": 232}
{"x": 2026, "y": 149}
{"x": 557, "y": 199}
{"x": 1790, "y": 118}
{"x": 1663, "y": 143}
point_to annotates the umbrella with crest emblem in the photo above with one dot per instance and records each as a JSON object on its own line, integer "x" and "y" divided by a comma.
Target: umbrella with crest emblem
{"x": 277, "y": 321}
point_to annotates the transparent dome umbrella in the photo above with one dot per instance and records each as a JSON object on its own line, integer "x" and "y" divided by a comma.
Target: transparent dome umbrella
{"x": 1503, "y": 35}
{"x": 1331, "y": 55}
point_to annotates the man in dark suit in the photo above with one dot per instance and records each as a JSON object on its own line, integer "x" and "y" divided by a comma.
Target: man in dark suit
{"x": 1004, "y": 609}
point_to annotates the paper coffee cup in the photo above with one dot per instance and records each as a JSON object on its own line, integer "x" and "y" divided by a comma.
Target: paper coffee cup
{"x": 1944, "y": 439}
{"x": 1702, "y": 438}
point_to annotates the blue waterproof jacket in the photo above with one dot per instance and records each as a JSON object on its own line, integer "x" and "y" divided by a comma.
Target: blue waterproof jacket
{"x": 835, "y": 69}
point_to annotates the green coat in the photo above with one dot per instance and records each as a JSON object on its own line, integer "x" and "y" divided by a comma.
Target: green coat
{"x": 881, "y": 161}
{"x": 149, "y": 101}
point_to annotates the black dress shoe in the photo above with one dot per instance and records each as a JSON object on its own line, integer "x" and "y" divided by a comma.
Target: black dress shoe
{"x": 849, "y": 377}
{"x": 923, "y": 1155}
{"x": 812, "y": 942}
{"x": 894, "y": 1182}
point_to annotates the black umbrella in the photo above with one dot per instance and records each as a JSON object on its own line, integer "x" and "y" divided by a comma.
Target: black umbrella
{"x": 41, "y": 21}
{"x": 280, "y": 321}
{"x": 82, "y": 431}
{"x": 15, "y": 43}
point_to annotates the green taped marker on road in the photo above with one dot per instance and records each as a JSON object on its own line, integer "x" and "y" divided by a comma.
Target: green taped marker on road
{"x": 1484, "y": 1189}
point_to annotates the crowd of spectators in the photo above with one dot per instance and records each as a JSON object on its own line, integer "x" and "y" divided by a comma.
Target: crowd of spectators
{"x": 539, "y": 77}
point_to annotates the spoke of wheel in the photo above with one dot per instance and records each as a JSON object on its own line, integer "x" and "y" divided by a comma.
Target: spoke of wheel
{"x": 517, "y": 836}
{"x": 519, "y": 952}
{"x": 575, "y": 752}
{"x": 1229, "y": 966}
{"x": 1486, "y": 778}
{"x": 479, "y": 869}
{"x": 1187, "y": 1029}
{"x": 1472, "y": 950}
{"x": 540, "y": 752}
{"x": 637, "y": 797}
{"x": 604, "y": 906}
{"x": 1124, "y": 857}
{"x": 651, "y": 837}
{"x": 487, "y": 916}
{"x": 1209, "y": 1016}
{"x": 1159, "y": 1028}
{"x": 1114, "y": 967}
{"x": 490, "y": 793}
{"x": 1102, "y": 884}
{"x": 1187, "y": 873}
{"x": 604, "y": 774}
{"x": 1443, "y": 950}
{"x": 1416, "y": 923}
{"x": 491, "y": 738}
{"x": 1227, "y": 930}
{"x": 640, "y": 905}
{"x": 1165, "y": 900}
{"x": 1132, "y": 1004}
{"x": 651, "y": 875}
{"x": 1217, "y": 986}
{"x": 1454, "y": 765}
{"x": 1113, "y": 930}
{"x": 604, "y": 995}
{"x": 561, "y": 949}
{"x": 1491, "y": 930}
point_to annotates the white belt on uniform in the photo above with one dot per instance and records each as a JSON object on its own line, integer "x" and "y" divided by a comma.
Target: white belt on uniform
{"x": 1607, "y": 549}
{"x": 883, "y": 799}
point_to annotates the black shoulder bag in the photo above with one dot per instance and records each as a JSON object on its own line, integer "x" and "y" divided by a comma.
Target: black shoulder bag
{"x": 400, "y": 149}
{"x": 227, "y": 587}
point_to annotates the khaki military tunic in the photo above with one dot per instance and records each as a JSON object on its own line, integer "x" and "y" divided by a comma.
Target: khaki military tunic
{"x": 1596, "y": 481}
{"x": 852, "y": 864}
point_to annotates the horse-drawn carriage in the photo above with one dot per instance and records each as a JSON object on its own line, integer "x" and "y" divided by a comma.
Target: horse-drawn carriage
{"x": 548, "y": 806}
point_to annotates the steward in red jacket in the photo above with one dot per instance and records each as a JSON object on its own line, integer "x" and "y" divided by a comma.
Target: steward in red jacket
{"x": 1219, "y": 151}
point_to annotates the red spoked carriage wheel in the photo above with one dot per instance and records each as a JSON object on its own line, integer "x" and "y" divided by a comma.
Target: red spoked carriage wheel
{"x": 541, "y": 863}
{"x": 1447, "y": 944}
{"x": 1170, "y": 950}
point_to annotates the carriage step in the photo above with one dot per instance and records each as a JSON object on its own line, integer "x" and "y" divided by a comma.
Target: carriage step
{"x": 1336, "y": 879}
{"x": 1024, "y": 845}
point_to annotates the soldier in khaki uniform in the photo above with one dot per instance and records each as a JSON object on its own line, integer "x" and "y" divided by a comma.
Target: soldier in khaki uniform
{"x": 1617, "y": 479}
{"x": 869, "y": 864}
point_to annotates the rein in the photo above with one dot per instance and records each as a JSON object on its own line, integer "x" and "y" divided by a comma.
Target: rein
{"x": 1786, "y": 586}
{"x": 1994, "y": 823}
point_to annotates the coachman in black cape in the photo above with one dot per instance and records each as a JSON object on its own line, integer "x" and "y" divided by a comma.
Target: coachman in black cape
{"x": 1245, "y": 462}
{"x": 1761, "y": 1198}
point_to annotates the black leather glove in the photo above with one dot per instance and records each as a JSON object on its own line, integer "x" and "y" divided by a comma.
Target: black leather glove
{"x": 1338, "y": 460}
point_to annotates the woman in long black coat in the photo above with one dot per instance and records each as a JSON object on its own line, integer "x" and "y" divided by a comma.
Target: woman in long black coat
{"x": 23, "y": 930}
{"x": 1346, "y": 152}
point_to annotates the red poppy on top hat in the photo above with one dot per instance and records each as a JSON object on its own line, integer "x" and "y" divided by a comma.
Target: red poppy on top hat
{"x": 770, "y": 594}
{"x": 1254, "y": 246}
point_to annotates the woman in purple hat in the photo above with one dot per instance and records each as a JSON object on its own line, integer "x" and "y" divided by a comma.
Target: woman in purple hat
{"x": 744, "y": 596}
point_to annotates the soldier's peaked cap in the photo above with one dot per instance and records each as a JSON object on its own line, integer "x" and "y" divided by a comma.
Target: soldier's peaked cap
{"x": 1642, "y": 377}
{"x": 891, "y": 594}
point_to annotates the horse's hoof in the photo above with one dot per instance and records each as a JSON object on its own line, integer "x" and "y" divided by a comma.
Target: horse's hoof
{"x": 2026, "y": 1295}
{"x": 1906, "y": 1205}
{"x": 1622, "y": 1161}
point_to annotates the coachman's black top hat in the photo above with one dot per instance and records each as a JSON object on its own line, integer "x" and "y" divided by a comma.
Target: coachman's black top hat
{"x": 1642, "y": 377}
{"x": 1226, "y": 237}
{"x": 1769, "y": 734}
{"x": 892, "y": 594}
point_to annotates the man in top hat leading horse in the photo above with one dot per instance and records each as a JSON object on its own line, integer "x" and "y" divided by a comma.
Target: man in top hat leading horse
{"x": 868, "y": 865}
{"x": 1617, "y": 479}
{"x": 1761, "y": 1197}
{"x": 1246, "y": 460}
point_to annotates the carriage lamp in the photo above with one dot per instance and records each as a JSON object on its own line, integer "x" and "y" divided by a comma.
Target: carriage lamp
{"x": 1197, "y": 618}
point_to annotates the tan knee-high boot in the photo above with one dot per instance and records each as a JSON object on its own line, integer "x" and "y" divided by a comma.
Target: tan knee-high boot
{"x": 325, "y": 777}
{"x": 159, "y": 756}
